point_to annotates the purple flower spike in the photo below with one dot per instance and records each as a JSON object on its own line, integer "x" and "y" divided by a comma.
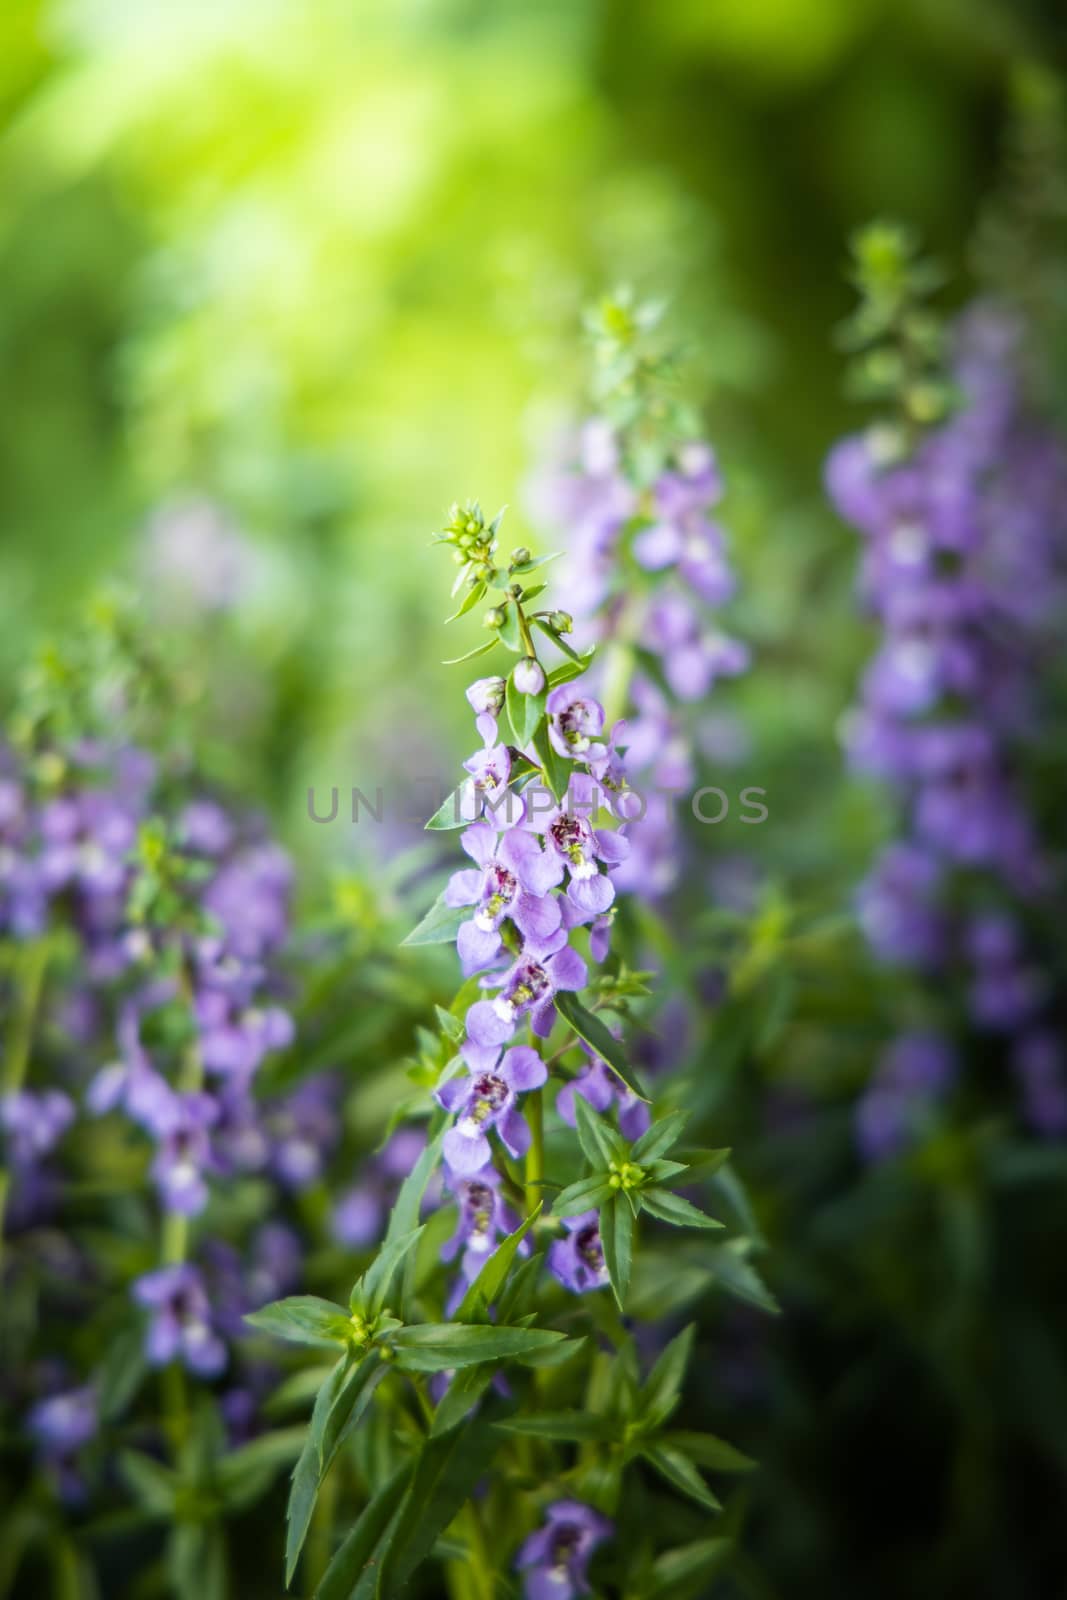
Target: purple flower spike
{"x": 180, "y": 1327}
{"x": 575, "y": 721}
{"x": 578, "y": 1259}
{"x": 513, "y": 881}
{"x": 487, "y": 1098}
{"x": 33, "y": 1124}
{"x": 556, "y": 1558}
{"x": 61, "y": 1426}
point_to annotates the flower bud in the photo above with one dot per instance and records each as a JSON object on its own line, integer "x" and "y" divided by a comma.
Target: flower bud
{"x": 528, "y": 676}
{"x": 562, "y": 621}
{"x": 494, "y": 617}
{"x": 520, "y": 556}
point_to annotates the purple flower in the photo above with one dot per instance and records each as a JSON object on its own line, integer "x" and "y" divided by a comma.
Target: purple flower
{"x": 530, "y": 985}
{"x": 603, "y": 1089}
{"x": 184, "y": 1153}
{"x": 914, "y": 1072}
{"x": 572, "y": 838}
{"x": 483, "y": 1219}
{"x": 528, "y": 676}
{"x": 61, "y": 1426}
{"x": 303, "y": 1128}
{"x": 486, "y": 700}
{"x": 575, "y": 721}
{"x": 486, "y": 791}
{"x": 556, "y": 1558}
{"x": 487, "y": 1097}
{"x": 358, "y": 1218}
{"x": 1039, "y": 1065}
{"x": 180, "y": 1325}
{"x": 513, "y": 880}
{"x": 33, "y": 1123}
{"x": 577, "y": 1259}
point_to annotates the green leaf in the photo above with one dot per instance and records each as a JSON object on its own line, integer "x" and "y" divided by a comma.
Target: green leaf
{"x": 659, "y": 1138}
{"x": 673, "y": 1209}
{"x": 438, "y": 1346}
{"x": 576, "y": 1426}
{"x": 446, "y": 1471}
{"x": 675, "y": 1572}
{"x": 469, "y": 601}
{"x": 708, "y": 1450}
{"x": 558, "y": 640}
{"x": 537, "y": 561}
{"x": 405, "y": 1214}
{"x": 153, "y": 1486}
{"x": 663, "y": 1388}
{"x": 246, "y": 1474}
{"x": 600, "y": 1144}
{"x": 509, "y": 634}
{"x": 600, "y": 1041}
{"x": 583, "y": 1196}
{"x": 452, "y": 1027}
{"x": 339, "y": 1405}
{"x": 461, "y": 1396}
{"x": 440, "y": 924}
{"x": 356, "y": 1558}
{"x": 554, "y": 770}
{"x": 524, "y": 712}
{"x": 494, "y": 1271}
{"x": 680, "y": 1472}
{"x": 569, "y": 670}
{"x": 479, "y": 650}
{"x": 520, "y": 1291}
{"x": 734, "y": 1271}
{"x": 616, "y": 1237}
{"x": 373, "y": 1289}
{"x": 304, "y": 1319}
{"x": 450, "y": 815}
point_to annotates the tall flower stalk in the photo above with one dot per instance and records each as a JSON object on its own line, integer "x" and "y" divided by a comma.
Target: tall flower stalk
{"x": 502, "y": 1346}
{"x": 960, "y": 494}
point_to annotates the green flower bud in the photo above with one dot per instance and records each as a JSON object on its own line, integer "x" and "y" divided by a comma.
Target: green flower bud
{"x": 520, "y": 556}
{"x": 562, "y": 621}
{"x": 495, "y": 617}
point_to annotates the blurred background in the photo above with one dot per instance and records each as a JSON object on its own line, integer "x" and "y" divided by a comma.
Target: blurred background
{"x": 282, "y": 278}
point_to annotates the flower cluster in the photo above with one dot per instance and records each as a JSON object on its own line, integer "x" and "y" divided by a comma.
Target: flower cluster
{"x": 532, "y": 1080}
{"x": 646, "y": 570}
{"x": 965, "y": 569}
{"x": 148, "y": 921}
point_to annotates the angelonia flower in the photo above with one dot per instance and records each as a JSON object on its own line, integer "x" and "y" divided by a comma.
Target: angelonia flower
{"x": 179, "y": 911}
{"x": 964, "y": 570}
{"x": 556, "y": 1558}
{"x": 577, "y": 1259}
{"x": 619, "y": 505}
{"x": 60, "y": 1427}
{"x": 912, "y": 1076}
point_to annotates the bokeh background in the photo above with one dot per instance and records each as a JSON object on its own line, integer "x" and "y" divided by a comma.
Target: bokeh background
{"x": 281, "y": 278}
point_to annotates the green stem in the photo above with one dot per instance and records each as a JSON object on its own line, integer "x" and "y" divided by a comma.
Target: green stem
{"x": 31, "y": 968}
{"x": 174, "y": 1237}
{"x": 535, "y": 1156}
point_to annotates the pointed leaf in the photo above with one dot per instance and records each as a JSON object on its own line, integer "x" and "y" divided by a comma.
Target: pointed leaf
{"x": 479, "y": 650}
{"x": 554, "y": 770}
{"x": 304, "y": 1319}
{"x": 600, "y": 1041}
{"x": 584, "y": 1196}
{"x": 675, "y": 1572}
{"x": 451, "y": 814}
{"x": 524, "y": 712}
{"x": 680, "y": 1472}
{"x": 377, "y": 1281}
{"x": 469, "y": 601}
{"x": 707, "y": 1450}
{"x": 672, "y": 1208}
{"x": 490, "y": 1280}
{"x": 439, "y": 1346}
{"x": 355, "y": 1557}
{"x": 600, "y": 1144}
{"x": 663, "y": 1388}
{"x": 440, "y": 925}
{"x": 659, "y": 1138}
{"x": 616, "y": 1237}
{"x": 578, "y": 1426}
